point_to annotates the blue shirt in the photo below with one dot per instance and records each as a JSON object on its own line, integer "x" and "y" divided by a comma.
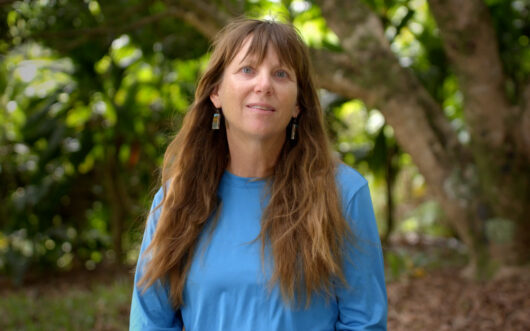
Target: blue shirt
{"x": 226, "y": 288}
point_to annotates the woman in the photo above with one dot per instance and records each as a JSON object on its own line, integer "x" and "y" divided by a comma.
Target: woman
{"x": 258, "y": 227}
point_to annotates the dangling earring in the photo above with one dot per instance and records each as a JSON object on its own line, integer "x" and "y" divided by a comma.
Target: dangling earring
{"x": 216, "y": 121}
{"x": 294, "y": 125}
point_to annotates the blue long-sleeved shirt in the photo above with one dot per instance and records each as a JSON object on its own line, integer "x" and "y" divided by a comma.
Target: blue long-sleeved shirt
{"x": 226, "y": 288}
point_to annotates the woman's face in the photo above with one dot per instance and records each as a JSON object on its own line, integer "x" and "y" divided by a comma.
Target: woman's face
{"x": 258, "y": 100}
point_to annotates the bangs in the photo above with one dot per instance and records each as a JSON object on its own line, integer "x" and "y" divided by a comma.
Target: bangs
{"x": 282, "y": 39}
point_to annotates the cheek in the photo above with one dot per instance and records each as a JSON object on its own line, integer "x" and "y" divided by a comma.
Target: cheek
{"x": 232, "y": 89}
{"x": 292, "y": 96}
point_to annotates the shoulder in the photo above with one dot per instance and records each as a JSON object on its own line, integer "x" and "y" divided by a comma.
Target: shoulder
{"x": 349, "y": 181}
{"x": 156, "y": 209}
{"x": 159, "y": 196}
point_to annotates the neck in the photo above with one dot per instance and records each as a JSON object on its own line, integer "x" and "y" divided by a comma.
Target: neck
{"x": 253, "y": 157}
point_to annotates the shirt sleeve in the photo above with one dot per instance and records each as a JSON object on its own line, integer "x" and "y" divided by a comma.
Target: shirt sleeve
{"x": 152, "y": 310}
{"x": 363, "y": 303}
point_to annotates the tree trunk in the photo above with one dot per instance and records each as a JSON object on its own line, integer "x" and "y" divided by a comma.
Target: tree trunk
{"x": 500, "y": 158}
{"x": 484, "y": 186}
{"x": 117, "y": 198}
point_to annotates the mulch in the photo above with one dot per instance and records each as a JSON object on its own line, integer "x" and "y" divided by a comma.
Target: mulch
{"x": 443, "y": 300}
{"x": 436, "y": 300}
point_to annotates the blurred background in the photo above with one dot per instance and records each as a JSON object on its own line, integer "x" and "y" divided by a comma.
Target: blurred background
{"x": 429, "y": 100}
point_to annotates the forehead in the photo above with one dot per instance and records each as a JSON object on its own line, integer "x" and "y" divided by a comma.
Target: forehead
{"x": 257, "y": 50}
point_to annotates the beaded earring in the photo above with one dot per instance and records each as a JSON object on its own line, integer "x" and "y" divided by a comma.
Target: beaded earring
{"x": 294, "y": 125}
{"x": 216, "y": 121}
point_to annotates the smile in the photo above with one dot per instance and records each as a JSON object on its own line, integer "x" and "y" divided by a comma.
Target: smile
{"x": 261, "y": 107}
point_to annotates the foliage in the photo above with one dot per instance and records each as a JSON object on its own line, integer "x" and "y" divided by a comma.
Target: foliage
{"x": 91, "y": 90}
{"x": 101, "y": 307}
{"x": 81, "y": 134}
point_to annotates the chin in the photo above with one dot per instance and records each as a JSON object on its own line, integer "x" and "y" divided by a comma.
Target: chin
{"x": 269, "y": 136}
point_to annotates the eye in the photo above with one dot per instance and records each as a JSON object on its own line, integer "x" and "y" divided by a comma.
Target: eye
{"x": 282, "y": 74}
{"x": 246, "y": 70}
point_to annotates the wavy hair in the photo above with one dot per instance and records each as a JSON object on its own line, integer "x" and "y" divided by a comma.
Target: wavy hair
{"x": 302, "y": 224}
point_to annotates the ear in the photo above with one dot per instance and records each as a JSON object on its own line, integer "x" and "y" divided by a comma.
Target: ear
{"x": 214, "y": 97}
{"x": 296, "y": 111}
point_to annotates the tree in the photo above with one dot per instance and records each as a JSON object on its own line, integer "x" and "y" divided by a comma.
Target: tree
{"x": 478, "y": 170}
{"x": 82, "y": 129}
{"x": 483, "y": 184}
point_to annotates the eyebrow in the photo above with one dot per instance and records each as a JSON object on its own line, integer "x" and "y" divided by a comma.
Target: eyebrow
{"x": 252, "y": 60}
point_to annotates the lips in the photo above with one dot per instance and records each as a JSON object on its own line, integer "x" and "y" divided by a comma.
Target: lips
{"x": 261, "y": 106}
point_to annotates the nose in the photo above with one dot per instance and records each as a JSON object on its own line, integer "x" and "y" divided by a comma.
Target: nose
{"x": 263, "y": 83}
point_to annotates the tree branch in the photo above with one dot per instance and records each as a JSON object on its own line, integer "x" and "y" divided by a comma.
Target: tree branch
{"x": 405, "y": 104}
{"x": 82, "y": 36}
{"x": 471, "y": 46}
{"x": 419, "y": 124}
{"x": 333, "y": 72}
{"x": 205, "y": 16}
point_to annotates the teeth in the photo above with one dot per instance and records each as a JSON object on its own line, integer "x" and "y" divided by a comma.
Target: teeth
{"x": 261, "y": 107}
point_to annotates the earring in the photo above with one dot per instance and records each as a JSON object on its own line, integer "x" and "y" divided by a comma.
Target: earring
{"x": 294, "y": 125}
{"x": 216, "y": 121}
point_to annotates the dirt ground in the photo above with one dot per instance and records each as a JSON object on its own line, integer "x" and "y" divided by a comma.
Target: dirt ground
{"x": 442, "y": 300}
{"x": 438, "y": 300}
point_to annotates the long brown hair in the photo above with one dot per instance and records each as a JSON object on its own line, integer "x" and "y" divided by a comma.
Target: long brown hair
{"x": 303, "y": 223}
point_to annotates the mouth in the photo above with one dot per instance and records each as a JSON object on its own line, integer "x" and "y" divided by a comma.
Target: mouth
{"x": 261, "y": 106}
